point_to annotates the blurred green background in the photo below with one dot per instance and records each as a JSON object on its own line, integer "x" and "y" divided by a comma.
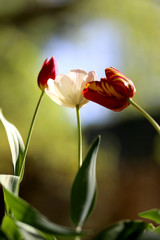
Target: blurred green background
{"x": 91, "y": 35}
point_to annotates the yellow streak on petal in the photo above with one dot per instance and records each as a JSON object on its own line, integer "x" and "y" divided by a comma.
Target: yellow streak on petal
{"x": 115, "y": 73}
{"x": 106, "y": 89}
{"x": 114, "y": 93}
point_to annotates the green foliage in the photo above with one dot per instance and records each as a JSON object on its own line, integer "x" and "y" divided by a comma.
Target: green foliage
{"x": 16, "y": 144}
{"x": 10, "y": 228}
{"x": 10, "y": 182}
{"x": 15, "y": 230}
{"x": 84, "y": 187}
{"x": 123, "y": 230}
{"x": 32, "y": 233}
{"x": 25, "y": 213}
{"x": 153, "y": 215}
{"x": 137, "y": 23}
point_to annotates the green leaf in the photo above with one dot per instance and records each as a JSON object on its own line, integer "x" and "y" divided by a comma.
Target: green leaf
{"x": 31, "y": 233}
{"x": 10, "y": 182}
{"x": 25, "y": 213}
{"x": 157, "y": 229}
{"x": 153, "y": 214}
{"x": 15, "y": 230}
{"x": 123, "y": 230}
{"x": 16, "y": 144}
{"x": 10, "y": 229}
{"x": 84, "y": 187}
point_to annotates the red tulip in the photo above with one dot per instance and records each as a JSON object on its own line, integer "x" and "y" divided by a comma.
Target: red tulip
{"x": 111, "y": 92}
{"x": 49, "y": 70}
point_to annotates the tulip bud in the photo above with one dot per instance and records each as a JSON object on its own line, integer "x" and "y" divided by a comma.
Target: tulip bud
{"x": 49, "y": 70}
{"x": 111, "y": 92}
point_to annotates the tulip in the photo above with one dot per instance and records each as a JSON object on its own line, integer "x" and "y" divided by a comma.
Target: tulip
{"x": 111, "y": 92}
{"x": 67, "y": 89}
{"x": 49, "y": 70}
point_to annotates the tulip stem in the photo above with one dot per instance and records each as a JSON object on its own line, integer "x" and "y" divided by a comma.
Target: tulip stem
{"x": 79, "y": 137}
{"x": 146, "y": 115}
{"x": 29, "y": 136}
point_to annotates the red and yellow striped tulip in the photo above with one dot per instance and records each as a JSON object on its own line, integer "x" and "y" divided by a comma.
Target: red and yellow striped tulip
{"x": 111, "y": 92}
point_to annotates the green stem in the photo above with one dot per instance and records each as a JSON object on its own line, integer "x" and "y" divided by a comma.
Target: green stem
{"x": 29, "y": 136}
{"x": 79, "y": 137}
{"x": 146, "y": 115}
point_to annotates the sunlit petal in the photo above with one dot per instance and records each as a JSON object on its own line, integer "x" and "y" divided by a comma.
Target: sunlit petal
{"x": 67, "y": 89}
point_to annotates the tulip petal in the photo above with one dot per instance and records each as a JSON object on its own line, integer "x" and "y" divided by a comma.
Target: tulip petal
{"x": 78, "y": 77}
{"x": 57, "y": 92}
{"x": 49, "y": 70}
{"x": 91, "y": 76}
{"x": 109, "y": 102}
{"x": 111, "y": 92}
{"x": 67, "y": 89}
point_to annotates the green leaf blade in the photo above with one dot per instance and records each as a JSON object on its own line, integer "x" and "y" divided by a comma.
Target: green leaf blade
{"x": 10, "y": 229}
{"x": 31, "y": 233}
{"x": 15, "y": 230}
{"x": 16, "y": 144}
{"x": 83, "y": 193}
{"x": 25, "y": 213}
{"x": 10, "y": 182}
{"x": 123, "y": 230}
{"x": 153, "y": 215}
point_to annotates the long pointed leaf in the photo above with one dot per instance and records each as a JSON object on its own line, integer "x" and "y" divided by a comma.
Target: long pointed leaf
{"x": 84, "y": 187}
{"x": 16, "y": 144}
{"x": 153, "y": 214}
{"x": 10, "y": 229}
{"x": 123, "y": 230}
{"x": 31, "y": 233}
{"x": 10, "y": 182}
{"x": 15, "y": 230}
{"x": 25, "y": 213}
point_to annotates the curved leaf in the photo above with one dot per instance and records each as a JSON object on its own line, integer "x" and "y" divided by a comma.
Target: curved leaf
{"x": 15, "y": 230}
{"x": 10, "y": 182}
{"x": 84, "y": 187}
{"x": 10, "y": 229}
{"x": 153, "y": 215}
{"x": 31, "y": 233}
{"x": 123, "y": 230}
{"x": 25, "y": 213}
{"x": 16, "y": 144}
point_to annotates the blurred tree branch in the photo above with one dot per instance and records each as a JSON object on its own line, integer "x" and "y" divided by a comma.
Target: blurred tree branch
{"x": 34, "y": 11}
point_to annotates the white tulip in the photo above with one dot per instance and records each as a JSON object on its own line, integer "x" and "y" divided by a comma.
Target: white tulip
{"x": 66, "y": 90}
